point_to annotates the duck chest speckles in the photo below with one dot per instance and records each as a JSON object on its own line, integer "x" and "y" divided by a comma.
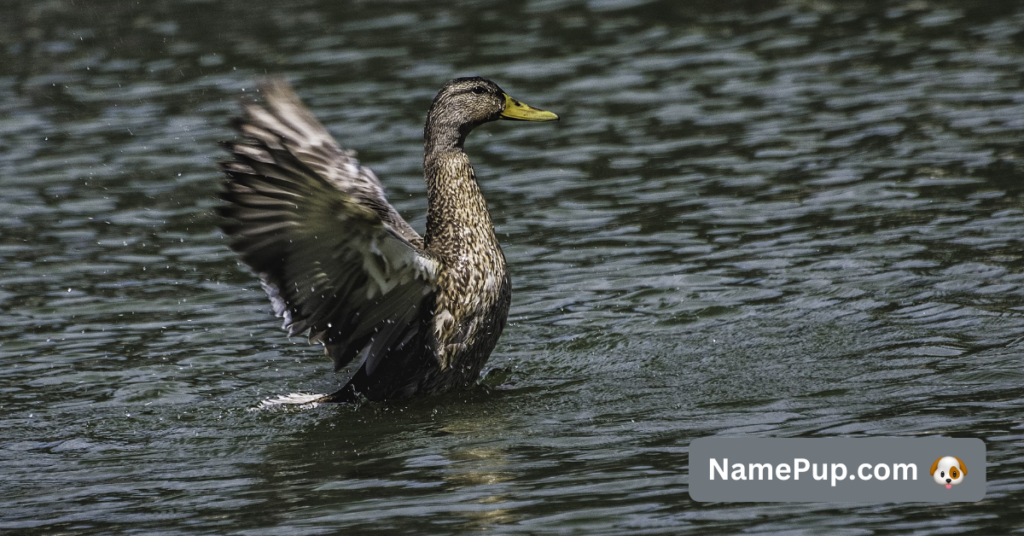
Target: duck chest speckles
{"x": 474, "y": 290}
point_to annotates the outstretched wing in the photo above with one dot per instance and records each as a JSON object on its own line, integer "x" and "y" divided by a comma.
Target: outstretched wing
{"x": 334, "y": 256}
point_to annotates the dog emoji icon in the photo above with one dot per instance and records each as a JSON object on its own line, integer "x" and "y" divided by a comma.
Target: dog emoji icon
{"x": 948, "y": 471}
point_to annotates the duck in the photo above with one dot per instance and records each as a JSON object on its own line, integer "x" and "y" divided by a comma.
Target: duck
{"x": 422, "y": 314}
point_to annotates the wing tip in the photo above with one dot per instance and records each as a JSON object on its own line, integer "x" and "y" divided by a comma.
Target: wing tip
{"x": 301, "y": 400}
{"x": 273, "y": 83}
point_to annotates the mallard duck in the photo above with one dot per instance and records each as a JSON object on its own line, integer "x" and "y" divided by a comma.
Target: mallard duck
{"x": 422, "y": 314}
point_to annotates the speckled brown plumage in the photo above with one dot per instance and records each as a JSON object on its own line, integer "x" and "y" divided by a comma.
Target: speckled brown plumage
{"x": 336, "y": 259}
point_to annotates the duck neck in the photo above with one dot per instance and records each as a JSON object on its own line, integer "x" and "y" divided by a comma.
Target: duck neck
{"x": 443, "y": 134}
{"x": 457, "y": 217}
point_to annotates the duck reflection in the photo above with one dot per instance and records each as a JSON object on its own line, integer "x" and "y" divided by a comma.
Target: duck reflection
{"x": 484, "y": 468}
{"x": 448, "y": 462}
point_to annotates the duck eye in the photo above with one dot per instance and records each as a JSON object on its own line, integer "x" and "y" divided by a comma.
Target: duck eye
{"x": 479, "y": 90}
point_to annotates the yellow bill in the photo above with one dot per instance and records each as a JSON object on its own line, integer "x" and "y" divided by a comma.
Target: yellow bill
{"x": 521, "y": 112}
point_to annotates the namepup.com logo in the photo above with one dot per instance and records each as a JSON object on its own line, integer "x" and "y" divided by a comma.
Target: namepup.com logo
{"x": 862, "y": 469}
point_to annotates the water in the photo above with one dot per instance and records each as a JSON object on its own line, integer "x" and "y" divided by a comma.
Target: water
{"x": 764, "y": 219}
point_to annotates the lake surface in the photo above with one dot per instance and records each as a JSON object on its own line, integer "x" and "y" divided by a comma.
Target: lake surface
{"x": 761, "y": 219}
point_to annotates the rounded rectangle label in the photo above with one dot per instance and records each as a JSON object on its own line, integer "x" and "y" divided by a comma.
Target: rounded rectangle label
{"x": 874, "y": 469}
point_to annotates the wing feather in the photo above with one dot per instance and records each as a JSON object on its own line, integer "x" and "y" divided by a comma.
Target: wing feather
{"x": 310, "y": 142}
{"x": 333, "y": 255}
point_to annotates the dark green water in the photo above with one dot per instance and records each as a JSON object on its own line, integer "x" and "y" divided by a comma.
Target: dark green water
{"x": 764, "y": 219}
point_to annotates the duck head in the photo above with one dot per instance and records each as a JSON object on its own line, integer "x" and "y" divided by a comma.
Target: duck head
{"x": 466, "y": 103}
